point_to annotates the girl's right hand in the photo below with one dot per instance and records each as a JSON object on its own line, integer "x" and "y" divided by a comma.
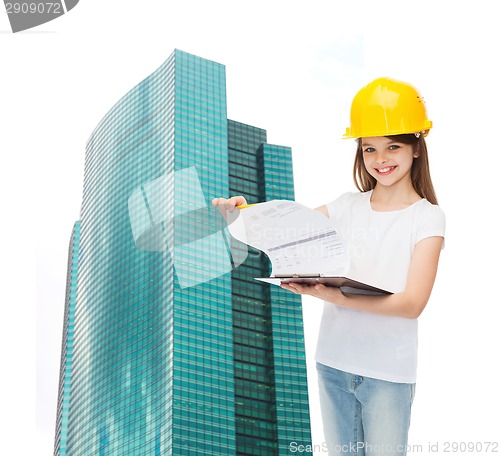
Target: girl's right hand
{"x": 229, "y": 204}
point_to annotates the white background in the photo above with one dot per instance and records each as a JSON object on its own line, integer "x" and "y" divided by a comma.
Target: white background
{"x": 292, "y": 69}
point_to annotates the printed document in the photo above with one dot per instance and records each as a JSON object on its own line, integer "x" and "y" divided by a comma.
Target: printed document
{"x": 297, "y": 239}
{"x": 302, "y": 244}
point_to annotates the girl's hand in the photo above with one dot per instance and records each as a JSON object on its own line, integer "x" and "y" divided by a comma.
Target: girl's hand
{"x": 228, "y": 205}
{"x": 318, "y": 290}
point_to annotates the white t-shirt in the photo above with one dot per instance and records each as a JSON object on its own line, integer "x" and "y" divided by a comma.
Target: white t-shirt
{"x": 380, "y": 246}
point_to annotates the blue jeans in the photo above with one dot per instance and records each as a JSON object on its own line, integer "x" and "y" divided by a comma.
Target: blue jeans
{"x": 362, "y": 415}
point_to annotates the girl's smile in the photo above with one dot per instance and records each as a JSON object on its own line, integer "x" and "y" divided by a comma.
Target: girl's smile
{"x": 385, "y": 171}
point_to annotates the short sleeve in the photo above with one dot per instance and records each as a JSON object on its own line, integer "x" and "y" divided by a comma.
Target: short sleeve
{"x": 337, "y": 206}
{"x": 432, "y": 222}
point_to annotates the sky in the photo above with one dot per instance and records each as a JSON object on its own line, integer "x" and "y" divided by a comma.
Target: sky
{"x": 292, "y": 68}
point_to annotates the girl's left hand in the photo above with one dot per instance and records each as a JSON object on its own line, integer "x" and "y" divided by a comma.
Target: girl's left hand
{"x": 330, "y": 294}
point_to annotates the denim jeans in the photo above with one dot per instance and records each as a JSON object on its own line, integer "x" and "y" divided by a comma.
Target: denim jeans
{"x": 362, "y": 415}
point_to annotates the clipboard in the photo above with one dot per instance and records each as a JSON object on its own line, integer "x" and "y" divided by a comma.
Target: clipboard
{"x": 297, "y": 240}
{"x": 347, "y": 286}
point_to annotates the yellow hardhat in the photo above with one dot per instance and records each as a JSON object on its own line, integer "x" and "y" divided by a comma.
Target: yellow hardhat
{"x": 387, "y": 107}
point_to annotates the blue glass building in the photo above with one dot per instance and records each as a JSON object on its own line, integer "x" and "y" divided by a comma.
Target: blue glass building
{"x": 67, "y": 344}
{"x": 162, "y": 363}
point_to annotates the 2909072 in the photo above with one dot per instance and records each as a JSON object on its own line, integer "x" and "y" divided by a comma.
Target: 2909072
{"x": 33, "y": 8}
{"x": 470, "y": 447}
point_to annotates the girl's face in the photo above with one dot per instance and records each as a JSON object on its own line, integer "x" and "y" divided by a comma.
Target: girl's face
{"x": 388, "y": 161}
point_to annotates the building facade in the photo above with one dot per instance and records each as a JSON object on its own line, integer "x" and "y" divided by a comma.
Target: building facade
{"x": 67, "y": 344}
{"x": 175, "y": 349}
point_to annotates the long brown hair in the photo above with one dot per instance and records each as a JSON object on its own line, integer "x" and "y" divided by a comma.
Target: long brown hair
{"x": 420, "y": 172}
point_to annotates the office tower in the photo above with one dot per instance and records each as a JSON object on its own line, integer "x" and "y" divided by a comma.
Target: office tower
{"x": 176, "y": 349}
{"x": 67, "y": 344}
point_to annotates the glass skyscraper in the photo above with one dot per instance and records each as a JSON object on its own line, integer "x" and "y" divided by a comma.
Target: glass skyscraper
{"x": 67, "y": 344}
{"x": 170, "y": 346}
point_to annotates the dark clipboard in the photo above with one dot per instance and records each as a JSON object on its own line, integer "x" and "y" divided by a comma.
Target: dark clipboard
{"x": 347, "y": 286}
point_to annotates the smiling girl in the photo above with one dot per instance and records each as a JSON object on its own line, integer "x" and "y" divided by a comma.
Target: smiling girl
{"x": 367, "y": 345}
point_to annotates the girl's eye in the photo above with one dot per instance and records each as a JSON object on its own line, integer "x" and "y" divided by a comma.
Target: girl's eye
{"x": 394, "y": 147}
{"x": 369, "y": 149}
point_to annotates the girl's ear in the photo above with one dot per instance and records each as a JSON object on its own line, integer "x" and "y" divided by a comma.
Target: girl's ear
{"x": 416, "y": 150}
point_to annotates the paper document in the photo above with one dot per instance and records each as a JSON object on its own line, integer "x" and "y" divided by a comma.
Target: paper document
{"x": 302, "y": 244}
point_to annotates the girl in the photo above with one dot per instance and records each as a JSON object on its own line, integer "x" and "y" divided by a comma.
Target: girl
{"x": 367, "y": 346}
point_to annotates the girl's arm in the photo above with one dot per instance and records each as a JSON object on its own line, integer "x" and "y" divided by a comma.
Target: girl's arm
{"x": 408, "y": 304}
{"x": 230, "y": 204}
